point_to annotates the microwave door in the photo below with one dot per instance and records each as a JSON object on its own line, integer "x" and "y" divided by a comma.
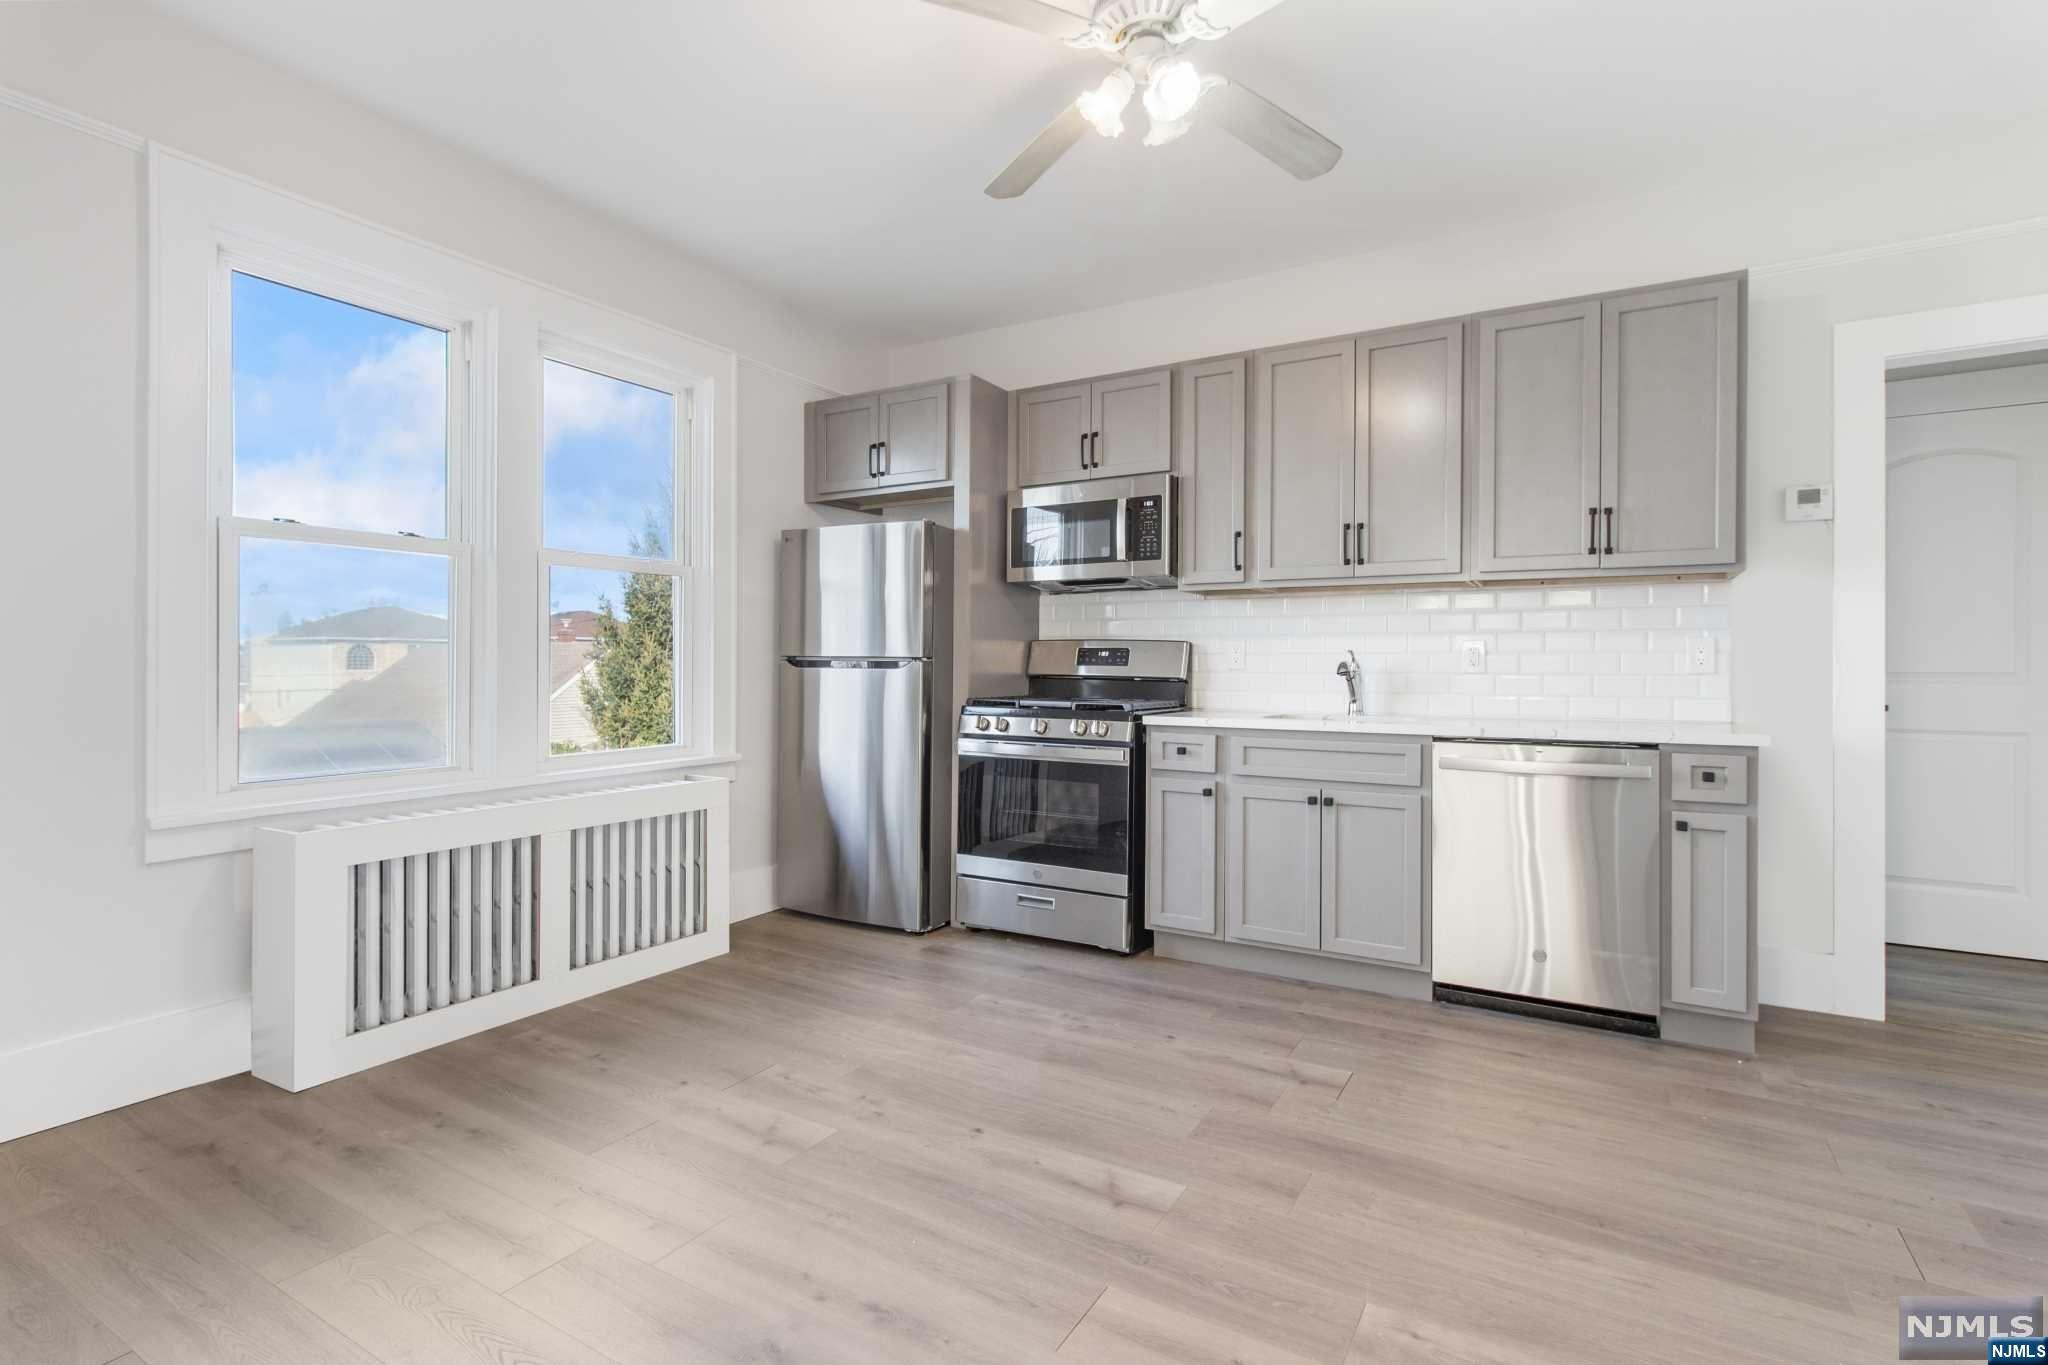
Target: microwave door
{"x": 1067, "y": 542}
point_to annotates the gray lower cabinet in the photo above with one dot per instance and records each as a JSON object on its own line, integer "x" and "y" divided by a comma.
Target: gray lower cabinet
{"x": 844, "y": 433}
{"x": 914, "y": 436}
{"x": 1272, "y": 863}
{"x": 1210, "y": 440}
{"x": 1710, "y": 910}
{"x": 1303, "y": 447}
{"x": 1537, "y": 451}
{"x": 1408, "y": 483}
{"x": 1372, "y": 875}
{"x": 1180, "y": 854}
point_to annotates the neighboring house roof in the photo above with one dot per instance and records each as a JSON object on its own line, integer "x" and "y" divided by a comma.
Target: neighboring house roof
{"x": 378, "y": 624}
{"x": 573, "y": 625}
{"x": 417, "y": 685}
{"x": 566, "y": 659}
{"x": 397, "y": 718}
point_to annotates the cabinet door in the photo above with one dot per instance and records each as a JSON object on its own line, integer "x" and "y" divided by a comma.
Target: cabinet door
{"x": 914, "y": 435}
{"x": 1411, "y": 455}
{"x": 1211, "y": 437}
{"x": 843, "y": 436}
{"x": 1669, "y": 371}
{"x": 1052, "y": 434}
{"x": 1537, "y": 454}
{"x": 1302, "y": 452}
{"x": 1372, "y": 876}
{"x": 1133, "y": 425}
{"x": 1710, "y": 911}
{"x": 1180, "y": 854}
{"x": 1273, "y": 855}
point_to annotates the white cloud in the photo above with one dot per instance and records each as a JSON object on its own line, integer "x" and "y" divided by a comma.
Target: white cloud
{"x": 580, "y": 403}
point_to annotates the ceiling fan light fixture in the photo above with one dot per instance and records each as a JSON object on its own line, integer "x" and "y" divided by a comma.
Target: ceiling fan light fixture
{"x": 1159, "y": 134}
{"x": 1173, "y": 91}
{"x": 1104, "y": 106}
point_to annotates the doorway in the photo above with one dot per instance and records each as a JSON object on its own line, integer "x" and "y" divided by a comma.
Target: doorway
{"x": 1966, "y": 655}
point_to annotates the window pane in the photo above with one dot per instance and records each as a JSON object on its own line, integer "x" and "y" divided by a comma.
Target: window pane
{"x": 611, "y": 660}
{"x": 341, "y": 413}
{"x": 608, "y": 455}
{"x": 344, "y": 660}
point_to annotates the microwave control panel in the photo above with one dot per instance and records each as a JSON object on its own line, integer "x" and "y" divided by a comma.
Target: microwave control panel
{"x": 1144, "y": 529}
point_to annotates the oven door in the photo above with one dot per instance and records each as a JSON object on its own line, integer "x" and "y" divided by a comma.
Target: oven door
{"x": 1053, "y": 814}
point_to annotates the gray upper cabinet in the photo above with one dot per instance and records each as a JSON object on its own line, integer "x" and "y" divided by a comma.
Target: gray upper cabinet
{"x": 1303, "y": 447}
{"x": 1372, "y": 876}
{"x": 1710, "y": 911}
{"x": 913, "y": 438}
{"x": 1133, "y": 431}
{"x": 1211, "y": 436}
{"x": 844, "y": 434}
{"x": 1668, "y": 435}
{"x": 1272, "y": 864}
{"x": 1102, "y": 429}
{"x": 1409, "y": 480}
{"x": 1537, "y": 452}
{"x": 1052, "y": 434}
{"x": 1180, "y": 854}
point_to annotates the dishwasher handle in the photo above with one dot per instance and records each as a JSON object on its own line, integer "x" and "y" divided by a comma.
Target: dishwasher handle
{"x": 1537, "y": 767}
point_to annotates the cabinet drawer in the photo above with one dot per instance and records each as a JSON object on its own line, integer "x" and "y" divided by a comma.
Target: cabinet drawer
{"x": 1720, "y": 779}
{"x": 1388, "y": 762}
{"x": 1183, "y": 752}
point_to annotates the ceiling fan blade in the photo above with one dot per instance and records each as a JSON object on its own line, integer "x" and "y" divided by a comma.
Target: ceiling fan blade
{"x": 1229, "y": 14}
{"x": 1035, "y": 160}
{"x": 1034, "y": 15}
{"x": 1270, "y": 131}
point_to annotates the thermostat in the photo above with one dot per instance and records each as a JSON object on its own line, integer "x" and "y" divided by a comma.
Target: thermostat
{"x": 1813, "y": 502}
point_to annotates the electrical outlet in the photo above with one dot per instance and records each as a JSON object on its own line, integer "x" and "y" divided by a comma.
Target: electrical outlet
{"x": 1472, "y": 655}
{"x": 1699, "y": 654}
{"x": 1233, "y": 656}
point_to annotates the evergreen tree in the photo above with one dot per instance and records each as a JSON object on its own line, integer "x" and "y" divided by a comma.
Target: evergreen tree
{"x": 630, "y": 689}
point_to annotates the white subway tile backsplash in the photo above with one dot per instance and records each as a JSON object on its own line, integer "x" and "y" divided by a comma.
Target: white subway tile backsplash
{"x": 1604, "y": 652}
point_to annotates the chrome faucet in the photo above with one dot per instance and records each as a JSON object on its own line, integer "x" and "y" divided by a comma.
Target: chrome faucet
{"x": 1347, "y": 669}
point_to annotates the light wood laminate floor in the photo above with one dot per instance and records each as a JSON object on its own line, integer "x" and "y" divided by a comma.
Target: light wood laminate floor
{"x": 841, "y": 1145}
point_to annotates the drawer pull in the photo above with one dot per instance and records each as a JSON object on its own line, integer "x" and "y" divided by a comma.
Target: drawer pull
{"x": 1682, "y": 827}
{"x": 1208, "y": 791}
{"x": 1181, "y": 749}
{"x": 1030, "y": 902}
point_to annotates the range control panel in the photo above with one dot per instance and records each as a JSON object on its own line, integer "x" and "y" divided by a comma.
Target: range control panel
{"x": 1103, "y": 658}
{"x": 1144, "y": 529}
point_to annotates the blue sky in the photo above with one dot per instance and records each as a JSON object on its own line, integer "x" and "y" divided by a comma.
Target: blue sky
{"x": 341, "y": 420}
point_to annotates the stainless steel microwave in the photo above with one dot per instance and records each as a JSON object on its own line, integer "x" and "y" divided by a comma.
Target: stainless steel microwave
{"x": 1097, "y": 535}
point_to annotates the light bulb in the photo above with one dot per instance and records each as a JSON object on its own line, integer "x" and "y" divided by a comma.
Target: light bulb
{"x": 1159, "y": 134}
{"x": 1171, "y": 94}
{"x": 1104, "y": 105}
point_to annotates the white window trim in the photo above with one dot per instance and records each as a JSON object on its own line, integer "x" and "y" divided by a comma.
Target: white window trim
{"x": 689, "y": 470}
{"x": 200, "y": 219}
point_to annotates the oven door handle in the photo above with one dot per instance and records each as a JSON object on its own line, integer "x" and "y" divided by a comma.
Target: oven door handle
{"x": 1061, "y": 753}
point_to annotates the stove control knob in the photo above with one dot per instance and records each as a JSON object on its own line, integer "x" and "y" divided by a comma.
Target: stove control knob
{"x": 981, "y": 722}
{"x": 1002, "y": 724}
{"x": 1039, "y": 727}
{"x": 1079, "y": 727}
{"x": 1101, "y": 728}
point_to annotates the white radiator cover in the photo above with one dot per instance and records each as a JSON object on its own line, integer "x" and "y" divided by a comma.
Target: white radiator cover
{"x": 381, "y": 937}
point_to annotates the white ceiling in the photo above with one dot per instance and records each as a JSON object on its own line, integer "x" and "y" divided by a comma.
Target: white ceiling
{"x": 833, "y": 151}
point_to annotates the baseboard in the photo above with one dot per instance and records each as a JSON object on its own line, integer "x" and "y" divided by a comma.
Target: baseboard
{"x": 89, "y": 1073}
{"x": 1793, "y": 978}
{"x": 1405, "y": 983}
{"x": 753, "y": 891}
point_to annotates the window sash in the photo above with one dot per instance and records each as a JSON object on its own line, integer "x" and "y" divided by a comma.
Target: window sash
{"x": 607, "y": 363}
{"x": 689, "y": 708}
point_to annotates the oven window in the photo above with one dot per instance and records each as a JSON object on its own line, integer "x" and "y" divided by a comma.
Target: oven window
{"x": 1044, "y": 811}
{"x": 1072, "y": 533}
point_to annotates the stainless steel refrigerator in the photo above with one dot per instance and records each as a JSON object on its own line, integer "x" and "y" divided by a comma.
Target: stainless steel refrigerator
{"x": 863, "y": 768}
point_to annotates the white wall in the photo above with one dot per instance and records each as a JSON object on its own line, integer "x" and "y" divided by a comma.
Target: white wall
{"x": 94, "y": 938}
{"x": 1779, "y": 607}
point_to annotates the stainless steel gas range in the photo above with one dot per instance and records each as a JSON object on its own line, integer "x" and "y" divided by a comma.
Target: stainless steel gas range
{"x": 1052, "y": 792}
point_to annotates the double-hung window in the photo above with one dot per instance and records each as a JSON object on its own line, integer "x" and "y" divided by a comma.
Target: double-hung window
{"x": 614, "y": 552}
{"x": 342, "y": 568}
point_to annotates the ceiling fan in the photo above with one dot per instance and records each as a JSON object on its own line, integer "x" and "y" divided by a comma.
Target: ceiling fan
{"x": 1145, "y": 38}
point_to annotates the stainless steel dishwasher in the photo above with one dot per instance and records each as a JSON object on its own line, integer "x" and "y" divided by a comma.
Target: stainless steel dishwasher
{"x": 1544, "y": 880}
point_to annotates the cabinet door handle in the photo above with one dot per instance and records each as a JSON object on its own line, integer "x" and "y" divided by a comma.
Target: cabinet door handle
{"x": 1095, "y": 450}
{"x": 1358, "y": 552}
{"x": 881, "y": 458}
{"x": 1610, "y": 529}
{"x": 1237, "y": 551}
{"x": 1208, "y": 791}
{"x": 1084, "y": 450}
{"x": 1681, "y": 826}
{"x": 1592, "y": 530}
{"x": 1315, "y": 798}
{"x": 1329, "y": 800}
{"x": 1345, "y": 542}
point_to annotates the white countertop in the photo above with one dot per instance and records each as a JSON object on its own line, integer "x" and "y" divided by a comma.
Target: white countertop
{"x": 1452, "y": 727}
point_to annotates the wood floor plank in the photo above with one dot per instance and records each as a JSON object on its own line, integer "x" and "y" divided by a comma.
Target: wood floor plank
{"x": 44, "y": 1170}
{"x": 405, "y": 1306}
{"x": 1125, "y": 1329}
{"x": 41, "y": 1323}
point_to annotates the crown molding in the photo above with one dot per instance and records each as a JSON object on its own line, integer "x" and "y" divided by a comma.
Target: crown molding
{"x": 1906, "y": 248}
{"x": 29, "y": 104}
